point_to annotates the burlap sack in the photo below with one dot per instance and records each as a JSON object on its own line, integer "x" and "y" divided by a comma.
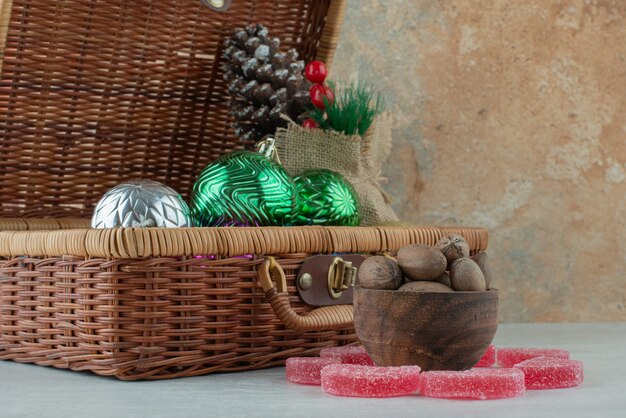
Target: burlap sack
{"x": 359, "y": 159}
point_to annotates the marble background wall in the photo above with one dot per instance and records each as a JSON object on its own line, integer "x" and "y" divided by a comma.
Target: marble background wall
{"x": 510, "y": 115}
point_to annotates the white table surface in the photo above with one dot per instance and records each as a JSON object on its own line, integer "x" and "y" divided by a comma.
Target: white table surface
{"x": 34, "y": 391}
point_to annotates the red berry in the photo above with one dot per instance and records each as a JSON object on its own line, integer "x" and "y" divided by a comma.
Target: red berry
{"x": 317, "y": 96}
{"x": 330, "y": 95}
{"x": 316, "y": 72}
{"x": 318, "y": 92}
{"x": 310, "y": 124}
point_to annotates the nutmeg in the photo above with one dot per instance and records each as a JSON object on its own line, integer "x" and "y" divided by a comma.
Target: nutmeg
{"x": 453, "y": 246}
{"x": 425, "y": 286}
{"x": 421, "y": 262}
{"x": 379, "y": 272}
{"x": 466, "y": 275}
{"x": 483, "y": 262}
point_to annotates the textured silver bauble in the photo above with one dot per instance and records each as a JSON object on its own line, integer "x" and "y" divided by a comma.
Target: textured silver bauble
{"x": 141, "y": 203}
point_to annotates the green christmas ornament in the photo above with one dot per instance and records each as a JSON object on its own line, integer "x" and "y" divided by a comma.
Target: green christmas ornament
{"x": 326, "y": 198}
{"x": 245, "y": 188}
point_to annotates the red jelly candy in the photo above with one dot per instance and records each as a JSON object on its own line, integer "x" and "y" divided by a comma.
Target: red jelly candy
{"x": 475, "y": 384}
{"x": 509, "y": 357}
{"x": 306, "y": 370}
{"x": 551, "y": 373}
{"x": 348, "y": 355}
{"x": 489, "y": 358}
{"x": 370, "y": 381}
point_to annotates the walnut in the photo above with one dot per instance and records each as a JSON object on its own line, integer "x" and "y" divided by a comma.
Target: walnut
{"x": 453, "y": 246}
{"x": 421, "y": 262}
{"x": 380, "y": 273}
{"x": 466, "y": 275}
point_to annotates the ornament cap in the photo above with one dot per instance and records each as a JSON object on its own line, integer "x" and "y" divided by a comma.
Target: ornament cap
{"x": 217, "y": 5}
{"x": 267, "y": 147}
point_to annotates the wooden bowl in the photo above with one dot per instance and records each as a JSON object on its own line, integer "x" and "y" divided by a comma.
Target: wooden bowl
{"x": 437, "y": 331}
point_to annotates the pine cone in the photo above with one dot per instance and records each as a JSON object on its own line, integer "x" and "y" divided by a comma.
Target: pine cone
{"x": 264, "y": 83}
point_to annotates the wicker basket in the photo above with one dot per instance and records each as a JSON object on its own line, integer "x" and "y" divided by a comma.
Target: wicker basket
{"x": 139, "y": 304}
{"x": 95, "y": 92}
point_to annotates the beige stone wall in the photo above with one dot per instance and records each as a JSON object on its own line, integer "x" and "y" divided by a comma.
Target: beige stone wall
{"x": 510, "y": 115}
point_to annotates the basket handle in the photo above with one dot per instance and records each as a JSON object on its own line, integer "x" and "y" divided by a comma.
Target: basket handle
{"x": 320, "y": 319}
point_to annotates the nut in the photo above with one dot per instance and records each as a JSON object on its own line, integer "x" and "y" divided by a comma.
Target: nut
{"x": 424, "y": 286}
{"x": 421, "y": 262}
{"x": 483, "y": 262}
{"x": 453, "y": 246}
{"x": 444, "y": 279}
{"x": 380, "y": 273}
{"x": 466, "y": 275}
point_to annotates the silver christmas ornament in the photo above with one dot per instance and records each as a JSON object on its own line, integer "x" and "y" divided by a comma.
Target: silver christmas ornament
{"x": 140, "y": 204}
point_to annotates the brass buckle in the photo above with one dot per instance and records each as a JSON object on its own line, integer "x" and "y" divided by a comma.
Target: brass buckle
{"x": 341, "y": 275}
